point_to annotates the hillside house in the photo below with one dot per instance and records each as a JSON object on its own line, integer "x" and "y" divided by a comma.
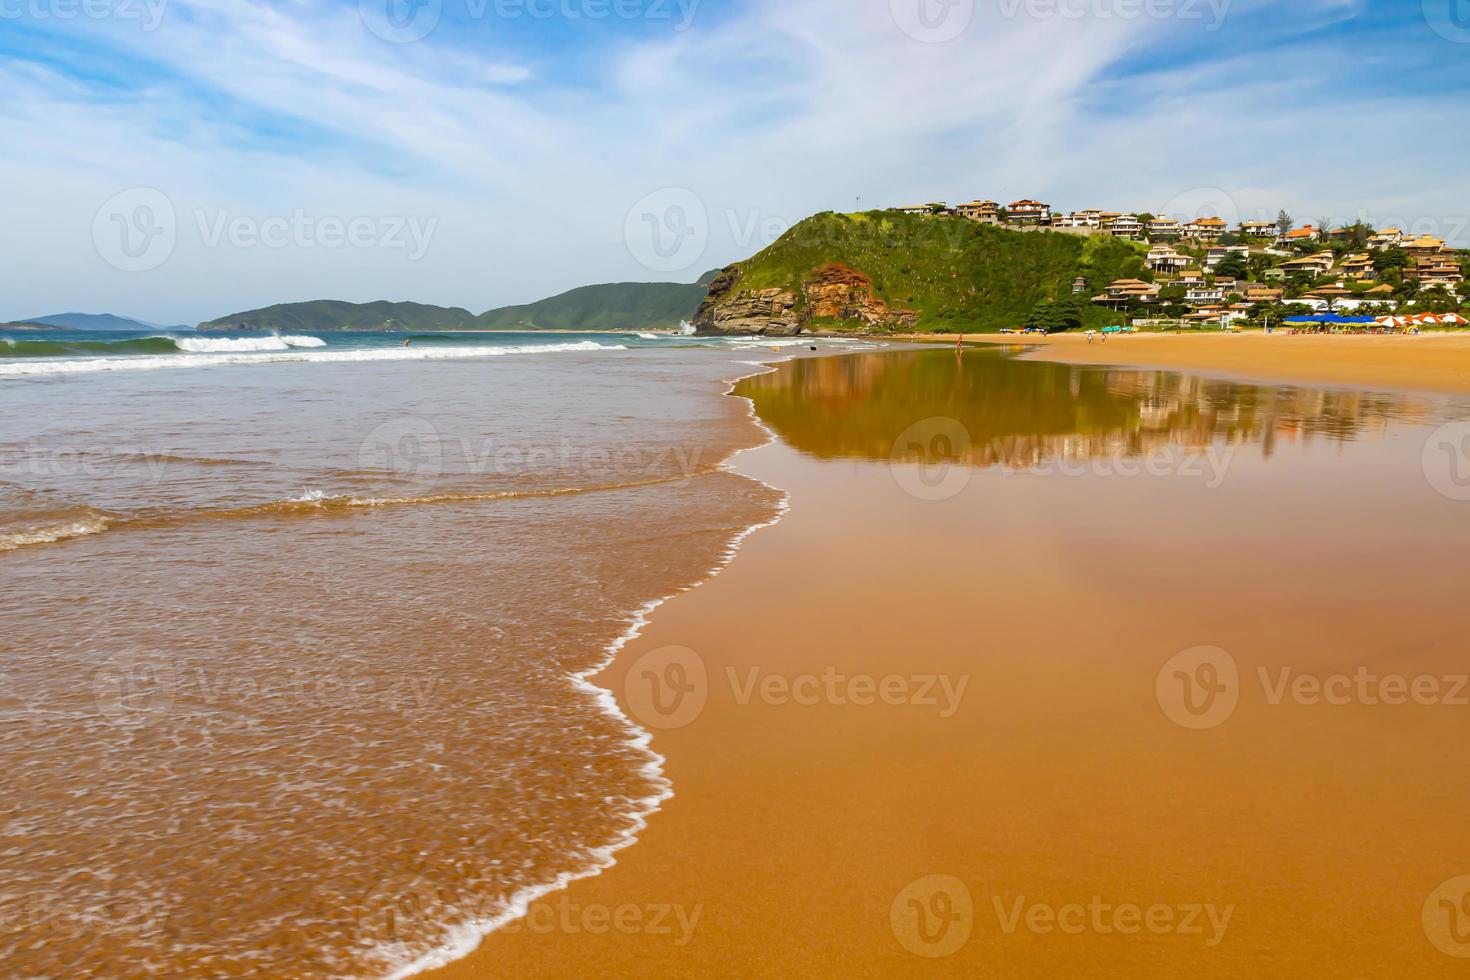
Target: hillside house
{"x": 1166, "y": 260}
{"x": 1206, "y": 229}
{"x": 1028, "y": 212}
{"x": 985, "y": 212}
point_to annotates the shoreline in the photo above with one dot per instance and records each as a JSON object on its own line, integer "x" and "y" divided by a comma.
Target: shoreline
{"x": 471, "y": 935}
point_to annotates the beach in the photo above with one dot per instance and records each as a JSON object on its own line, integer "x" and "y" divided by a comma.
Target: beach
{"x": 1425, "y": 362}
{"x": 937, "y": 721}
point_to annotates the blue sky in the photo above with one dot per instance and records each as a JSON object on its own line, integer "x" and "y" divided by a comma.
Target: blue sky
{"x": 485, "y": 152}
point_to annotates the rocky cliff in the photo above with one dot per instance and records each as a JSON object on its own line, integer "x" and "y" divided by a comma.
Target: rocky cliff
{"x": 833, "y": 294}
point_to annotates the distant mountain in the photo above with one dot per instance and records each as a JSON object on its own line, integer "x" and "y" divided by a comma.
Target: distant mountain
{"x": 98, "y": 321}
{"x": 330, "y": 314}
{"x": 609, "y": 306}
{"x": 29, "y": 325}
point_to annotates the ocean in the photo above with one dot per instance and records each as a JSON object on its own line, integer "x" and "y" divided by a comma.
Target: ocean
{"x": 294, "y": 679}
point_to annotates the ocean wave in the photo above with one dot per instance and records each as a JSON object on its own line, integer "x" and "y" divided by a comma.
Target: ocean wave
{"x": 11, "y": 540}
{"x": 229, "y": 345}
{"x": 153, "y": 363}
{"x": 153, "y": 345}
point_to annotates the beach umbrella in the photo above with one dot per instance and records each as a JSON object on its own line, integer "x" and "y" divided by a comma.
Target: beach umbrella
{"x": 1454, "y": 320}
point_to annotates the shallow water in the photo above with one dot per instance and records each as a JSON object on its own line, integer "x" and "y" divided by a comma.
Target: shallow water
{"x": 290, "y": 650}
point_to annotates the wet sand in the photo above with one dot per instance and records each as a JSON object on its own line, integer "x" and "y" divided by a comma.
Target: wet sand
{"x": 986, "y": 706}
{"x": 1427, "y": 362}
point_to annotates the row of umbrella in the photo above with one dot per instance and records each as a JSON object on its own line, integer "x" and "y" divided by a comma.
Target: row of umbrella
{"x": 1419, "y": 320}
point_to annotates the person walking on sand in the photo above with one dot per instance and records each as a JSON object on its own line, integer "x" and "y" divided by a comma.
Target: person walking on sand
{"x": 1090, "y": 335}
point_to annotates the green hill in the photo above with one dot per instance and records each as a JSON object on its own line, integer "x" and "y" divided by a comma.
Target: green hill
{"x": 330, "y": 314}
{"x": 609, "y": 306}
{"x": 617, "y": 305}
{"x": 881, "y": 270}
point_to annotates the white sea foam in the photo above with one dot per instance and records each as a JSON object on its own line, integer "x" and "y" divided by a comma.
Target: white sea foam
{"x": 286, "y": 353}
{"x": 222, "y": 345}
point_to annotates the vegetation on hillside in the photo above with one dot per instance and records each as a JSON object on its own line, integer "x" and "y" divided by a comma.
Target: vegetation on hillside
{"x": 957, "y": 275}
{"x": 618, "y": 305}
{"x": 331, "y": 314}
{"x": 611, "y": 306}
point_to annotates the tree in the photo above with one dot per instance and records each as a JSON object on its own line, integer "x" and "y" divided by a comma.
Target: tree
{"x": 1234, "y": 264}
{"x": 1284, "y": 222}
{"x": 1390, "y": 259}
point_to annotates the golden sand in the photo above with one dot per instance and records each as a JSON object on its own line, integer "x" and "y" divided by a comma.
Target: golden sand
{"x": 1427, "y": 362}
{"x": 1075, "y": 828}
